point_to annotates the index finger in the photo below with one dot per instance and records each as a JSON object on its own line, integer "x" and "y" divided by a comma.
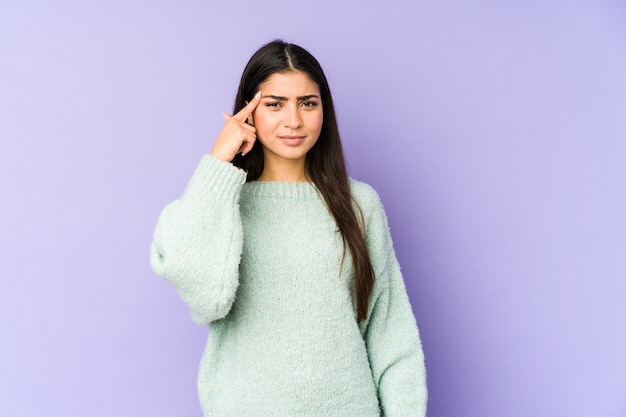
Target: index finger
{"x": 243, "y": 114}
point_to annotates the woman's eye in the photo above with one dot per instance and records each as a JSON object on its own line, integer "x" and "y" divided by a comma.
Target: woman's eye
{"x": 272, "y": 104}
{"x": 309, "y": 104}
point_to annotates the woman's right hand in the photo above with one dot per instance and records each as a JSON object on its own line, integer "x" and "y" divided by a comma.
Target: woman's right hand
{"x": 236, "y": 135}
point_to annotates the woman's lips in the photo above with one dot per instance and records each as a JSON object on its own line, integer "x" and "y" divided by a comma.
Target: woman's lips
{"x": 292, "y": 140}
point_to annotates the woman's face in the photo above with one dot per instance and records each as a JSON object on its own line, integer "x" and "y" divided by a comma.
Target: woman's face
{"x": 289, "y": 118}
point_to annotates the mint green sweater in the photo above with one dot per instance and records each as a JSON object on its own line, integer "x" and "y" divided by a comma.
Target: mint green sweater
{"x": 260, "y": 263}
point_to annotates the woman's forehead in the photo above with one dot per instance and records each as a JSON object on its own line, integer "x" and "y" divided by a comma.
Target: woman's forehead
{"x": 289, "y": 84}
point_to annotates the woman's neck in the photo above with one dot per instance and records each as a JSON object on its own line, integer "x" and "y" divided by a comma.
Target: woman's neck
{"x": 285, "y": 171}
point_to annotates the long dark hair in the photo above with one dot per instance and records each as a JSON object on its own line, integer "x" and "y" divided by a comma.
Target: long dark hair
{"x": 325, "y": 163}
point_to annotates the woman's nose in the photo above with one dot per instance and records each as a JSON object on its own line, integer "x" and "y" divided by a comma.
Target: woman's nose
{"x": 292, "y": 118}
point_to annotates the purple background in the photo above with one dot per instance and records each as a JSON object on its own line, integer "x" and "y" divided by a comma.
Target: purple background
{"x": 495, "y": 133}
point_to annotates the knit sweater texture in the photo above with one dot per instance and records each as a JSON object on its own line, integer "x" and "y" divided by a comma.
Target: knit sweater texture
{"x": 261, "y": 264}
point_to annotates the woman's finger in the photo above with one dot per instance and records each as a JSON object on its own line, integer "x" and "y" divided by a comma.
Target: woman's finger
{"x": 236, "y": 136}
{"x": 243, "y": 114}
{"x": 246, "y": 126}
{"x": 246, "y": 147}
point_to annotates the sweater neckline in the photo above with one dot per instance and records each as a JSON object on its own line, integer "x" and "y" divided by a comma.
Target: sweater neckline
{"x": 281, "y": 189}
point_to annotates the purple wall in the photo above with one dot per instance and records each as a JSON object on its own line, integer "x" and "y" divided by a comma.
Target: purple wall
{"x": 495, "y": 133}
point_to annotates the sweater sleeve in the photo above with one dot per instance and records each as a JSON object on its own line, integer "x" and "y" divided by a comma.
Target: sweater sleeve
{"x": 198, "y": 240}
{"x": 390, "y": 331}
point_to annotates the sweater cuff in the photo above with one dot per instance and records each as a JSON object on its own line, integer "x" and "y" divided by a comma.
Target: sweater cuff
{"x": 216, "y": 178}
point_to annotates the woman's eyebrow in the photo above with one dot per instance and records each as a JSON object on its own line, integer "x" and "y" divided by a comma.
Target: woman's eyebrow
{"x": 310, "y": 96}
{"x": 280, "y": 98}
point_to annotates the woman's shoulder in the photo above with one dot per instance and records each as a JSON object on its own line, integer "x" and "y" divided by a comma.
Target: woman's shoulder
{"x": 374, "y": 217}
{"x": 365, "y": 195}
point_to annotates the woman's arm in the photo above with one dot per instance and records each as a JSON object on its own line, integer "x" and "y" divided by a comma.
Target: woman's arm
{"x": 395, "y": 350}
{"x": 390, "y": 331}
{"x": 198, "y": 240}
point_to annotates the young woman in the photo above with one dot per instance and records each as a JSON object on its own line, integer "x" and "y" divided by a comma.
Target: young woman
{"x": 290, "y": 262}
